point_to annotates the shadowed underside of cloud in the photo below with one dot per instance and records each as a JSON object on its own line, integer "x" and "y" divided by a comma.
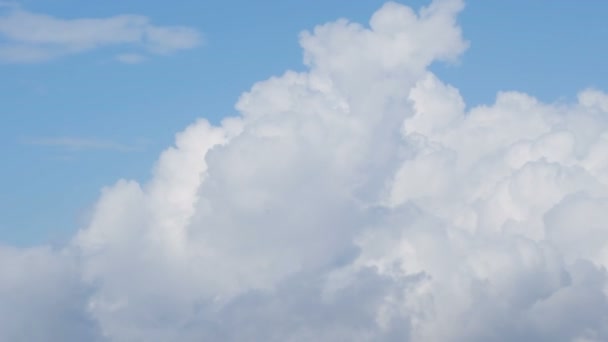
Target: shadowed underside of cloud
{"x": 356, "y": 201}
{"x": 32, "y": 37}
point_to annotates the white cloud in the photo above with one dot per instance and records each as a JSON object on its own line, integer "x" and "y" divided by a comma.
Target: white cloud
{"x": 357, "y": 201}
{"x": 42, "y": 297}
{"x": 33, "y": 37}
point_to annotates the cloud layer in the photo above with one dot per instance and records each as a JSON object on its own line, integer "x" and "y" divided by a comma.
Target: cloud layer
{"x": 356, "y": 201}
{"x": 33, "y": 37}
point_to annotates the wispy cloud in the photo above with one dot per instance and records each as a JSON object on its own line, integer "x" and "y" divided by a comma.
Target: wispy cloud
{"x": 130, "y": 58}
{"x": 33, "y": 37}
{"x": 78, "y": 144}
{"x": 8, "y": 4}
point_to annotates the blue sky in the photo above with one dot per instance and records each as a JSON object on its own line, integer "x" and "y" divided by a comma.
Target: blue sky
{"x": 71, "y": 124}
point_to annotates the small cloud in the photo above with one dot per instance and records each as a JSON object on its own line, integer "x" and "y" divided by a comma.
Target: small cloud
{"x": 32, "y": 37}
{"x": 78, "y": 144}
{"x": 130, "y": 58}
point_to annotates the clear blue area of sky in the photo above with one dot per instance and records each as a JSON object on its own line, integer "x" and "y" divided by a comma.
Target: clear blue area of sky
{"x": 550, "y": 49}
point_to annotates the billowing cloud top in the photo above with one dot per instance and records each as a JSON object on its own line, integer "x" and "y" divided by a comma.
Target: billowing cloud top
{"x": 356, "y": 201}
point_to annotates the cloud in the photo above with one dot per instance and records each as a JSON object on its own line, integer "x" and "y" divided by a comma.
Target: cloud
{"x": 42, "y": 297}
{"x": 359, "y": 200}
{"x": 77, "y": 144}
{"x": 32, "y": 37}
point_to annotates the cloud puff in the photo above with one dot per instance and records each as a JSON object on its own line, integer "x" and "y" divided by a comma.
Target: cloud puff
{"x": 33, "y": 37}
{"x": 359, "y": 201}
{"x": 43, "y": 297}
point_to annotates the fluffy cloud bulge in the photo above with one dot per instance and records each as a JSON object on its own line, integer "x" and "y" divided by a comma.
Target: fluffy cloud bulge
{"x": 356, "y": 201}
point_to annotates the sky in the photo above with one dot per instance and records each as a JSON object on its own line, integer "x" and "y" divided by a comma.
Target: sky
{"x": 75, "y": 123}
{"x": 281, "y": 171}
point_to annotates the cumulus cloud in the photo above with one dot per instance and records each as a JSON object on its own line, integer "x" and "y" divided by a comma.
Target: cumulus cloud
{"x": 43, "y": 297}
{"x": 34, "y": 37}
{"x": 356, "y": 201}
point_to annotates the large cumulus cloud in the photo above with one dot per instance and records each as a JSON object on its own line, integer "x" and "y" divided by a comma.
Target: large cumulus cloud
{"x": 357, "y": 201}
